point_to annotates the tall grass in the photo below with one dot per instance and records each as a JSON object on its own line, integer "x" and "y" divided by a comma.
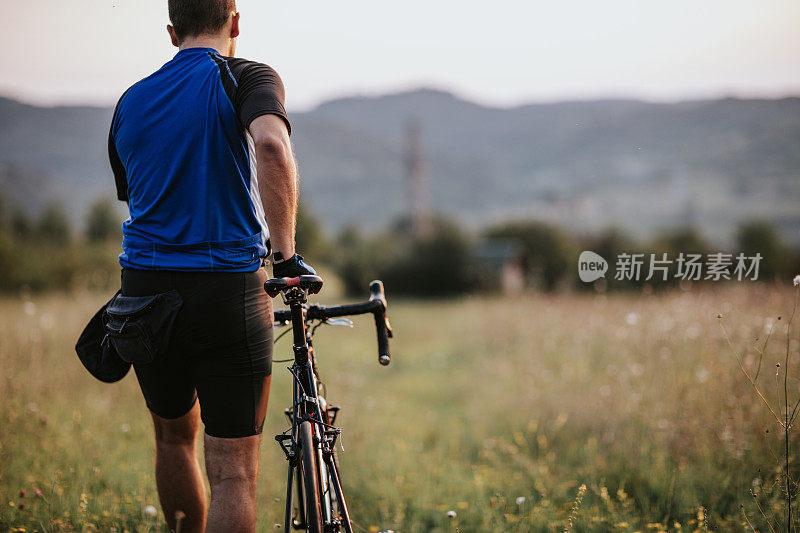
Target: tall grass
{"x": 571, "y": 412}
{"x": 787, "y": 411}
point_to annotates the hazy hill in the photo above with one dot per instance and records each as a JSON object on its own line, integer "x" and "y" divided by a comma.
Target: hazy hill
{"x": 585, "y": 165}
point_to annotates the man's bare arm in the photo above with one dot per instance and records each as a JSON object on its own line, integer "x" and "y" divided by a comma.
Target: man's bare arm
{"x": 277, "y": 180}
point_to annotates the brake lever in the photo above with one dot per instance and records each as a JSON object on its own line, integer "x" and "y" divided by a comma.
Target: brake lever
{"x": 339, "y": 321}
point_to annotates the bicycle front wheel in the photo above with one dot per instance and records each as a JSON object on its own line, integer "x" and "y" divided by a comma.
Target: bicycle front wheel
{"x": 310, "y": 470}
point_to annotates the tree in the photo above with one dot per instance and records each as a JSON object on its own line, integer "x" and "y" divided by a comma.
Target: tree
{"x": 609, "y": 245}
{"x": 360, "y": 259}
{"x": 760, "y": 237}
{"x": 21, "y": 225}
{"x": 53, "y": 225}
{"x": 3, "y": 221}
{"x": 685, "y": 239}
{"x": 310, "y": 238}
{"x": 435, "y": 265}
{"x": 547, "y": 253}
{"x": 102, "y": 222}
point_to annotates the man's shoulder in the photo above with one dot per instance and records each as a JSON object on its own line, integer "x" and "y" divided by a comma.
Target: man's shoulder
{"x": 244, "y": 62}
{"x": 258, "y": 90}
{"x": 240, "y": 66}
{"x": 144, "y": 86}
{"x": 120, "y": 102}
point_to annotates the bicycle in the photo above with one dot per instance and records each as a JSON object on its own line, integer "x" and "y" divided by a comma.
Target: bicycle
{"x": 309, "y": 444}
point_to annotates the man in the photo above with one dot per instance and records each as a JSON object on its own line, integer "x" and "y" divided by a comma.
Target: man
{"x": 200, "y": 151}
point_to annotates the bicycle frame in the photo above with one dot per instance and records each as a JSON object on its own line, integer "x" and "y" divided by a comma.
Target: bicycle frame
{"x": 308, "y": 405}
{"x": 310, "y": 414}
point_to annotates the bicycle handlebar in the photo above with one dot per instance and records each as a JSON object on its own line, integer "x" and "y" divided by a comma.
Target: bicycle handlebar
{"x": 382, "y": 326}
{"x": 376, "y": 305}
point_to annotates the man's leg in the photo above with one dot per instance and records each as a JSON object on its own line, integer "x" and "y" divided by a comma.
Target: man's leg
{"x": 178, "y": 475}
{"x": 232, "y": 467}
{"x": 231, "y": 362}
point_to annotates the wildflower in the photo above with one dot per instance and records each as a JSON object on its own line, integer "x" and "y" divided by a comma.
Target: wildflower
{"x": 701, "y": 516}
{"x": 149, "y": 510}
{"x": 520, "y": 500}
{"x": 38, "y": 493}
{"x": 22, "y": 493}
{"x": 796, "y": 281}
{"x": 451, "y": 514}
{"x": 21, "y": 506}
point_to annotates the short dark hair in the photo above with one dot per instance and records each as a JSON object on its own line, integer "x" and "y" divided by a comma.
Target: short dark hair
{"x": 196, "y": 17}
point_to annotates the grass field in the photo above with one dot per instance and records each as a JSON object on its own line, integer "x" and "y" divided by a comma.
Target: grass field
{"x": 583, "y": 412}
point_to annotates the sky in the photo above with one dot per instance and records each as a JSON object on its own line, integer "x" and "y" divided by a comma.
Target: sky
{"x": 502, "y": 53}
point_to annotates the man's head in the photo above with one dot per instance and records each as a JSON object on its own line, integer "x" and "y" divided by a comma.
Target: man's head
{"x": 207, "y": 18}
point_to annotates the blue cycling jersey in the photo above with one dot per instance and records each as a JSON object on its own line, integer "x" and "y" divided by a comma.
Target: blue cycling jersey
{"x": 184, "y": 161}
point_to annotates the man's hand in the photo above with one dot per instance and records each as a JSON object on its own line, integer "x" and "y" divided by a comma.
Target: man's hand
{"x": 291, "y": 268}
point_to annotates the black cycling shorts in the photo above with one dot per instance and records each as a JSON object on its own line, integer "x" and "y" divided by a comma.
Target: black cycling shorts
{"x": 219, "y": 350}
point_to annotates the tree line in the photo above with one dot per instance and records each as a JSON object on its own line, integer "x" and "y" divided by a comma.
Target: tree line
{"x": 447, "y": 261}
{"x": 44, "y": 252}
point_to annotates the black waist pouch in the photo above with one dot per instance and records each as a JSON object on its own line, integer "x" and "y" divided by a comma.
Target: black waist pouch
{"x": 139, "y": 327}
{"x": 96, "y": 354}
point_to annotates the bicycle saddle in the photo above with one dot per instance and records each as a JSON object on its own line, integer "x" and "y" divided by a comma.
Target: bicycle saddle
{"x": 276, "y": 285}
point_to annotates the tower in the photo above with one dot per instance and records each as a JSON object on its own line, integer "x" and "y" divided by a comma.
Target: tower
{"x": 417, "y": 181}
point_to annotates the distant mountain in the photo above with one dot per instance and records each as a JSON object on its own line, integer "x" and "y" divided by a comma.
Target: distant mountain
{"x": 24, "y": 189}
{"x": 65, "y": 147}
{"x": 585, "y": 165}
